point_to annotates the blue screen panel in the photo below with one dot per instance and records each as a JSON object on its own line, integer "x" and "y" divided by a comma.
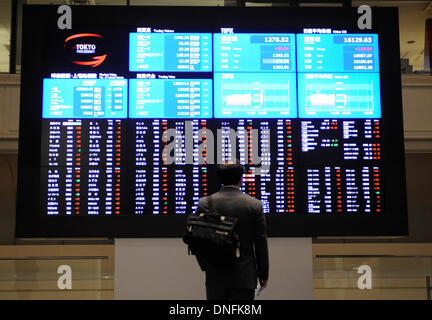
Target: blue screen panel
{"x": 183, "y": 52}
{"x": 254, "y": 52}
{"x": 337, "y": 53}
{"x": 255, "y": 95}
{"x": 339, "y": 95}
{"x": 170, "y": 98}
{"x": 89, "y": 98}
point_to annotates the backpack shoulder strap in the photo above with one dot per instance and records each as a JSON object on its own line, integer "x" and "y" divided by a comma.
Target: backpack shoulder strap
{"x": 212, "y": 210}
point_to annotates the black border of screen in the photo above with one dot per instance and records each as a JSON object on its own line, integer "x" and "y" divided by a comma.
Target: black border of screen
{"x": 36, "y": 18}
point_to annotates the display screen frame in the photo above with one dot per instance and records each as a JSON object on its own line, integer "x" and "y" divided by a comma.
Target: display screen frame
{"x": 38, "y": 19}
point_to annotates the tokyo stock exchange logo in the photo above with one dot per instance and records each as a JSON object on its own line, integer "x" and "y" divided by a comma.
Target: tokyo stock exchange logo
{"x": 85, "y": 49}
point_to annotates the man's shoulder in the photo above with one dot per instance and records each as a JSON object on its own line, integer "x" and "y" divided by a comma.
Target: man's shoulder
{"x": 243, "y": 197}
{"x": 253, "y": 200}
{"x": 204, "y": 199}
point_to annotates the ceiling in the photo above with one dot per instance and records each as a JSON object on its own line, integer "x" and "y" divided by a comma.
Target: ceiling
{"x": 412, "y": 17}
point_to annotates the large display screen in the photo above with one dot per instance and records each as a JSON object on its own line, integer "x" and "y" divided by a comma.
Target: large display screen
{"x": 125, "y": 116}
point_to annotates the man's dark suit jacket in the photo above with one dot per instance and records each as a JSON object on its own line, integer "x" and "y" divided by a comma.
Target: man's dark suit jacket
{"x": 253, "y": 261}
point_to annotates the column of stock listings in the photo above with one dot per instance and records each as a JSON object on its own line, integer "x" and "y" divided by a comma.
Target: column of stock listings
{"x": 302, "y": 112}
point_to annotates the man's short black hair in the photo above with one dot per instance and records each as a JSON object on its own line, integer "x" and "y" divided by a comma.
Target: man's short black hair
{"x": 230, "y": 173}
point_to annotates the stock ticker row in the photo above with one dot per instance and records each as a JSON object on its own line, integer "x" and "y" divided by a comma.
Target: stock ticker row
{"x": 317, "y": 95}
{"x": 179, "y": 75}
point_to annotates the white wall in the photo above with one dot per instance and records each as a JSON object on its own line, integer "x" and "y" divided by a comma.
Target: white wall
{"x": 5, "y": 25}
{"x": 9, "y": 112}
{"x": 147, "y": 269}
{"x": 417, "y": 112}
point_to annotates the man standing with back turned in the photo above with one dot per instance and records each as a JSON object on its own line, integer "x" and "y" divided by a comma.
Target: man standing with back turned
{"x": 238, "y": 282}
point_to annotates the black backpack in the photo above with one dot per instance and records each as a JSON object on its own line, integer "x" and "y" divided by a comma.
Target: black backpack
{"x": 212, "y": 237}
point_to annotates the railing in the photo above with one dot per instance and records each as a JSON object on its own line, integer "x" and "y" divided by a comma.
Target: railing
{"x": 341, "y": 272}
{"x": 57, "y": 272}
{"x": 372, "y": 277}
{"x": 48, "y": 278}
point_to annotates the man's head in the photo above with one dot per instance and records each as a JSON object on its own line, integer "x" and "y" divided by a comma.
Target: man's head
{"x": 230, "y": 173}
